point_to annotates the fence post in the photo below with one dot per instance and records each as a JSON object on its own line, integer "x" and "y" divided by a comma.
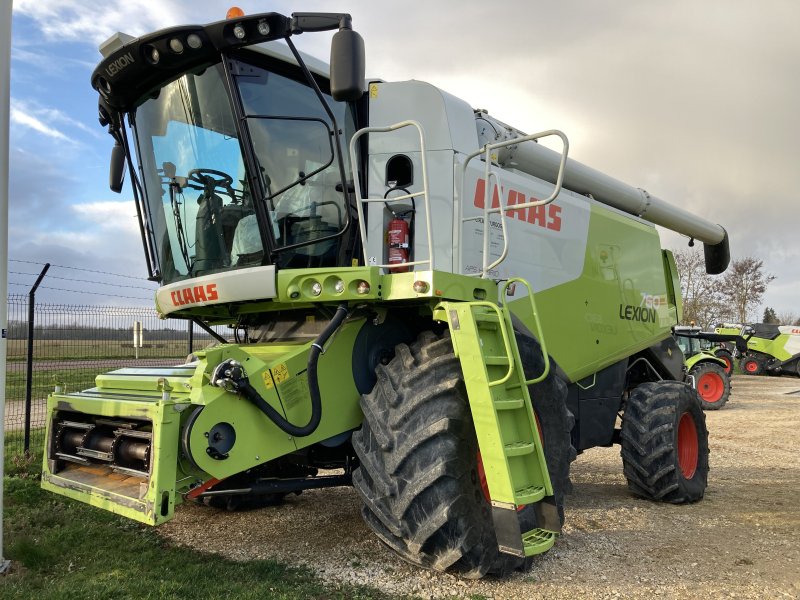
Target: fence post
{"x": 191, "y": 337}
{"x": 137, "y": 338}
{"x": 5, "y": 84}
{"x": 29, "y": 366}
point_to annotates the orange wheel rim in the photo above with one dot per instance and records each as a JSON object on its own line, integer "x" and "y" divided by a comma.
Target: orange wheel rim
{"x": 688, "y": 447}
{"x": 711, "y": 387}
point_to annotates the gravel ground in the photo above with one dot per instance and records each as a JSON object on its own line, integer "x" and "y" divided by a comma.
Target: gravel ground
{"x": 741, "y": 541}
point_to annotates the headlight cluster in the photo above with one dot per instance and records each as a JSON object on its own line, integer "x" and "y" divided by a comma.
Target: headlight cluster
{"x": 332, "y": 285}
{"x": 177, "y": 45}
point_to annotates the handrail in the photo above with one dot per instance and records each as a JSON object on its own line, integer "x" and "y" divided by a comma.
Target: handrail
{"x": 424, "y": 193}
{"x": 537, "y": 323}
{"x": 488, "y": 210}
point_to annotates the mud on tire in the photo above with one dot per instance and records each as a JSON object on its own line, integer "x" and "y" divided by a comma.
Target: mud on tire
{"x": 418, "y": 477}
{"x": 665, "y": 443}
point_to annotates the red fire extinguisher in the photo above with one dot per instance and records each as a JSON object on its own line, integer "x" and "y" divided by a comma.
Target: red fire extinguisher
{"x": 397, "y": 237}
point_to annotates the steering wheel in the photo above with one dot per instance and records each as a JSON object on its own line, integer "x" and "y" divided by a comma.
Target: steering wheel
{"x": 198, "y": 177}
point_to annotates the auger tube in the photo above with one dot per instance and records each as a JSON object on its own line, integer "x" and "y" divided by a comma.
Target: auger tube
{"x": 539, "y": 161}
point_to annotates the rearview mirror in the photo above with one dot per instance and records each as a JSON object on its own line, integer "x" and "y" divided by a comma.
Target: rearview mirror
{"x": 348, "y": 65}
{"x": 116, "y": 173}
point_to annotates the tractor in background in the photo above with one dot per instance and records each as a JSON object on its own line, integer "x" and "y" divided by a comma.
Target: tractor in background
{"x": 707, "y": 371}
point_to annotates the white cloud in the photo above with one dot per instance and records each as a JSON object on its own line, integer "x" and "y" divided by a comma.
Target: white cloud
{"x": 21, "y": 115}
{"x": 43, "y": 62}
{"x": 109, "y": 215}
{"x": 78, "y": 20}
{"x": 42, "y": 119}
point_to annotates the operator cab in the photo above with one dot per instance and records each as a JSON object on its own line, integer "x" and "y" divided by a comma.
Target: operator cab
{"x": 199, "y": 187}
{"x": 241, "y": 150}
{"x": 687, "y": 340}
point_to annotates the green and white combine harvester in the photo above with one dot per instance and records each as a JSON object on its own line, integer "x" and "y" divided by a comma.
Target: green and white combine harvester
{"x": 770, "y": 349}
{"x": 422, "y": 301}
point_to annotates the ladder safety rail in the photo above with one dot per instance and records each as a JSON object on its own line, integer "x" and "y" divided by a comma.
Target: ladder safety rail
{"x": 487, "y": 208}
{"x": 537, "y": 323}
{"x": 424, "y": 193}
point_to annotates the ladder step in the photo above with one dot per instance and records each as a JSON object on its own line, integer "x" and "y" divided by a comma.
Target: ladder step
{"x": 486, "y": 317}
{"x": 486, "y": 325}
{"x": 529, "y": 495}
{"x": 496, "y": 360}
{"x": 537, "y": 541}
{"x": 519, "y": 448}
{"x": 509, "y": 403}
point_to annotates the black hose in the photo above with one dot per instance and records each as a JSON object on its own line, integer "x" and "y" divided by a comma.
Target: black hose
{"x": 242, "y": 384}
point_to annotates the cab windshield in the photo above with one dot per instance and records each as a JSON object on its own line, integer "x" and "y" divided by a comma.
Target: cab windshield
{"x": 688, "y": 345}
{"x": 201, "y": 194}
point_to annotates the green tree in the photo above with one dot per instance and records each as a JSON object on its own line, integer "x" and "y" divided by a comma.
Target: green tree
{"x": 770, "y": 316}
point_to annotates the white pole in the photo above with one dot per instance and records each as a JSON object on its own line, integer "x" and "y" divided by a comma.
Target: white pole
{"x": 137, "y": 337}
{"x": 5, "y": 94}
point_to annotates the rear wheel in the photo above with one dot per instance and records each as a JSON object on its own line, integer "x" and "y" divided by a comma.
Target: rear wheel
{"x": 752, "y": 365}
{"x": 419, "y": 477}
{"x": 728, "y": 358}
{"x": 713, "y": 385}
{"x": 665, "y": 443}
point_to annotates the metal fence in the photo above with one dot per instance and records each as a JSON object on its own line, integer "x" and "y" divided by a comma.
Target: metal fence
{"x": 70, "y": 346}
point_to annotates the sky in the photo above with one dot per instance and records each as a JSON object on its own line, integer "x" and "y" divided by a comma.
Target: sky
{"x": 697, "y": 102}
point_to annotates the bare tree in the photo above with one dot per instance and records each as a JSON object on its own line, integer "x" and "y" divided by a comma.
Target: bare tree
{"x": 745, "y": 282}
{"x": 787, "y": 318}
{"x": 703, "y": 297}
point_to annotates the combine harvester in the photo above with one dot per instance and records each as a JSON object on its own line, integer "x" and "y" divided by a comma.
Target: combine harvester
{"x": 418, "y": 295}
{"x": 771, "y": 349}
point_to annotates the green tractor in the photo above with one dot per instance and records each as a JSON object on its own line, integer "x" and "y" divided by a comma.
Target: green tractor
{"x": 707, "y": 371}
{"x": 771, "y": 350}
{"x": 421, "y": 301}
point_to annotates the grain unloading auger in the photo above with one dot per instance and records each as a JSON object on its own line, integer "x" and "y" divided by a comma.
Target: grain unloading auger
{"x": 373, "y": 247}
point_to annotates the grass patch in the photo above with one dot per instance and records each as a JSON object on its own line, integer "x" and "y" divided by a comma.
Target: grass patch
{"x": 95, "y": 348}
{"x": 19, "y": 464}
{"x": 64, "y": 549}
{"x": 44, "y": 382}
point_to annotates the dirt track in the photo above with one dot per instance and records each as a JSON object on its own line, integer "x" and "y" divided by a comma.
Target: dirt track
{"x": 741, "y": 541}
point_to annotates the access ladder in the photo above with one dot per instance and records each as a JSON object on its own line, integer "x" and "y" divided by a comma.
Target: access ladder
{"x": 509, "y": 439}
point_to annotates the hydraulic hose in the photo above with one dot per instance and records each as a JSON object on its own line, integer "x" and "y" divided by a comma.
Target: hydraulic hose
{"x": 230, "y": 376}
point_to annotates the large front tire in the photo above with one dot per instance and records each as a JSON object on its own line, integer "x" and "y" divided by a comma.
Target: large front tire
{"x": 665, "y": 443}
{"x": 713, "y": 385}
{"x": 418, "y": 477}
